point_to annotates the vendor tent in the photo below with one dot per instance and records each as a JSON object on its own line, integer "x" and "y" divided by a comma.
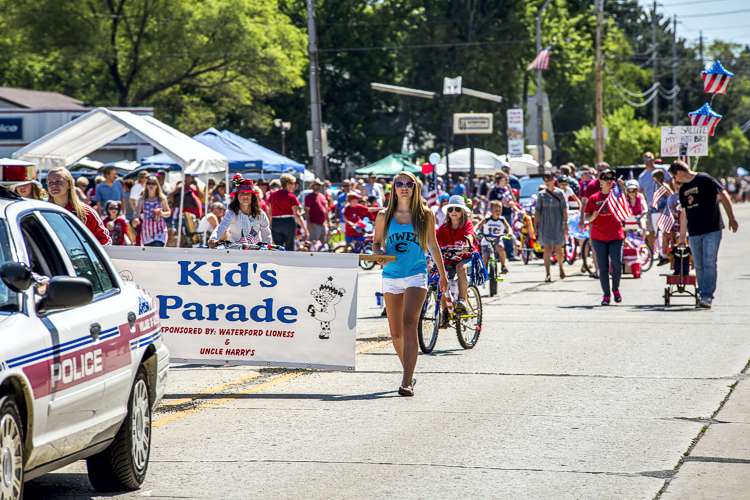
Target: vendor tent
{"x": 272, "y": 161}
{"x": 89, "y": 132}
{"x": 485, "y": 162}
{"x": 523, "y": 165}
{"x": 390, "y": 165}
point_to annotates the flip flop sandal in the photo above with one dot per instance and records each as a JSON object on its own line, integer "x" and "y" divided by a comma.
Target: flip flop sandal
{"x": 406, "y": 391}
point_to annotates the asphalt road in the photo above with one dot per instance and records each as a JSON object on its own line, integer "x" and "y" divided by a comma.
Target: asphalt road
{"x": 561, "y": 398}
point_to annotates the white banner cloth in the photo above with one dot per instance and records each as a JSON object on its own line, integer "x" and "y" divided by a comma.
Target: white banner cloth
{"x": 288, "y": 309}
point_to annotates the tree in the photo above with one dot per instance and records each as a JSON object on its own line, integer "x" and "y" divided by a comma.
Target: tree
{"x": 193, "y": 61}
{"x": 726, "y": 153}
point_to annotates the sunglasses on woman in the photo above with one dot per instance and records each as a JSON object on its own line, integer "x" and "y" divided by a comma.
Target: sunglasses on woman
{"x": 454, "y": 209}
{"x": 607, "y": 178}
{"x": 404, "y": 184}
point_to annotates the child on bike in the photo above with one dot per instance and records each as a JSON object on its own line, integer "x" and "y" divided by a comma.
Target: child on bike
{"x": 354, "y": 214}
{"x": 458, "y": 232}
{"x": 493, "y": 229}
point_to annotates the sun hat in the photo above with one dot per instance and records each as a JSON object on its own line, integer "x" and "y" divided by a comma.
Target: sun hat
{"x": 444, "y": 197}
{"x": 246, "y": 186}
{"x": 457, "y": 201}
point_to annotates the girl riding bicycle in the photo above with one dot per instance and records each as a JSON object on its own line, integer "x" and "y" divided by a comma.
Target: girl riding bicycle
{"x": 406, "y": 230}
{"x": 458, "y": 231}
{"x": 494, "y": 228}
{"x": 244, "y": 222}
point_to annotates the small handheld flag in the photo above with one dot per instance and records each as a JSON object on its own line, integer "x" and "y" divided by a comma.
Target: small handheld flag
{"x": 666, "y": 221}
{"x": 659, "y": 194}
{"x": 541, "y": 61}
{"x": 716, "y": 78}
{"x": 618, "y": 205}
{"x": 705, "y": 117}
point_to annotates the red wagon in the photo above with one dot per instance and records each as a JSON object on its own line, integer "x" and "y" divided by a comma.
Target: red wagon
{"x": 680, "y": 285}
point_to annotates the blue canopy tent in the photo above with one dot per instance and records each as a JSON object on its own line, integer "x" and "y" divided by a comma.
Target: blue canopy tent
{"x": 242, "y": 154}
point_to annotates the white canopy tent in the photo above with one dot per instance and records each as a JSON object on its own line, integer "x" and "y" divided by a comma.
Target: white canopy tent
{"x": 485, "y": 162}
{"x": 87, "y": 133}
{"x": 522, "y": 165}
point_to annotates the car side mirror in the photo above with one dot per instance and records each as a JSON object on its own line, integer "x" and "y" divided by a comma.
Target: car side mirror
{"x": 16, "y": 276}
{"x": 64, "y": 292}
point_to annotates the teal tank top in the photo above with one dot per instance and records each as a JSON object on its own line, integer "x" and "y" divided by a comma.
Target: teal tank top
{"x": 401, "y": 241}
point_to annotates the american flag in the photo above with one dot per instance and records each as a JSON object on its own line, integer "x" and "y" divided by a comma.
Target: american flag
{"x": 666, "y": 221}
{"x": 541, "y": 61}
{"x": 432, "y": 197}
{"x": 618, "y": 205}
{"x": 659, "y": 194}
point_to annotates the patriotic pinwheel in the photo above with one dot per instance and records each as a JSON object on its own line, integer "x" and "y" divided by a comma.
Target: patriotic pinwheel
{"x": 716, "y": 78}
{"x": 705, "y": 117}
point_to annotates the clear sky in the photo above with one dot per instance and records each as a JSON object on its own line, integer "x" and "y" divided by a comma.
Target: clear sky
{"x": 708, "y": 16}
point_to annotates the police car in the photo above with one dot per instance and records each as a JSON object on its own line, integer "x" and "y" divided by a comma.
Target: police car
{"x": 82, "y": 363}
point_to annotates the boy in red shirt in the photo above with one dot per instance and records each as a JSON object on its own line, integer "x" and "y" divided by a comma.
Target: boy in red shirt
{"x": 353, "y": 215}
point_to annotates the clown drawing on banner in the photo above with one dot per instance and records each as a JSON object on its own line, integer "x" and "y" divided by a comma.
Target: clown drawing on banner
{"x": 325, "y": 299}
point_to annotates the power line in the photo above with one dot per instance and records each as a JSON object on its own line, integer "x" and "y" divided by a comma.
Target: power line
{"x": 725, "y": 13}
{"x": 423, "y": 46}
{"x": 692, "y": 2}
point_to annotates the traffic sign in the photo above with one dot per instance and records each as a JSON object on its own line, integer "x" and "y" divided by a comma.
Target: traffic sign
{"x": 472, "y": 123}
{"x": 452, "y": 86}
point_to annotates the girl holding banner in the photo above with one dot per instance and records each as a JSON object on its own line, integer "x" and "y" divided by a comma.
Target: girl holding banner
{"x": 406, "y": 228}
{"x": 244, "y": 222}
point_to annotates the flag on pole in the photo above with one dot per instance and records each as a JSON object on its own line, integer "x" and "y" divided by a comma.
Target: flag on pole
{"x": 541, "y": 61}
{"x": 659, "y": 194}
{"x": 666, "y": 221}
{"x": 618, "y": 205}
{"x": 716, "y": 78}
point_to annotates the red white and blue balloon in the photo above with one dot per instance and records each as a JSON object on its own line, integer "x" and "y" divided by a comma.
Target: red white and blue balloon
{"x": 716, "y": 78}
{"x": 705, "y": 117}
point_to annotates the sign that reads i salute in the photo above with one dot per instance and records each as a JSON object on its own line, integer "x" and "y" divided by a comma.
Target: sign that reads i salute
{"x": 684, "y": 141}
{"x": 472, "y": 123}
{"x": 288, "y": 309}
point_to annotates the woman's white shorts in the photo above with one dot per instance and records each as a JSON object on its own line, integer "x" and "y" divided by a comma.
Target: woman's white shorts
{"x": 399, "y": 285}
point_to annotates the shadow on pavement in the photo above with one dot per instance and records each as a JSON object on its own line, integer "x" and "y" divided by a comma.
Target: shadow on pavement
{"x": 63, "y": 485}
{"x": 661, "y": 308}
{"x": 319, "y": 397}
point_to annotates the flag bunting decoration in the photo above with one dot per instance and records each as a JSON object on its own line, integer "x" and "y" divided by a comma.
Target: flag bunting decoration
{"x": 541, "y": 61}
{"x": 705, "y": 117}
{"x": 659, "y": 194}
{"x": 716, "y": 78}
{"x": 618, "y": 205}
{"x": 666, "y": 221}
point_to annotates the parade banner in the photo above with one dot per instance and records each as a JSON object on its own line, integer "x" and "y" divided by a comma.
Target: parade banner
{"x": 287, "y": 309}
{"x": 515, "y": 132}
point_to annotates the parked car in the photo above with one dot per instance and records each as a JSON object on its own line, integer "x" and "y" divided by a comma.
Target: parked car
{"x": 82, "y": 363}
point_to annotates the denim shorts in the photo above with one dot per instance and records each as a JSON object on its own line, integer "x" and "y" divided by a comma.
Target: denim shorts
{"x": 399, "y": 285}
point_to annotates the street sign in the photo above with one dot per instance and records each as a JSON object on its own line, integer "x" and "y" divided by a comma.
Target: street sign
{"x": 452, "y": 86}
{"x": 684, "y": 141}
{"x": 515, "y": 132}
{"x": 324, "y": 140}
{"x": 472, "y": 123}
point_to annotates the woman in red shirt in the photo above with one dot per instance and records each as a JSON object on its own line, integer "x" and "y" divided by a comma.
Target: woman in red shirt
{"x": 606, "y": 236}
{"x": 61, "y": 190}
{"x": 284, "y": 209}
{"x": 118, "y": 227}
{"x": 458, "y": 231}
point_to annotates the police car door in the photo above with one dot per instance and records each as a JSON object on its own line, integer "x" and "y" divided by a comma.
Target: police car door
{"x": 91, "y": 374}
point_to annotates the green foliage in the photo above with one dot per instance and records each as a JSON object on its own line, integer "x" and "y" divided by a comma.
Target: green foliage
{"x": 726, "y": 153}
{"x": 195, "y": 62}
{"x": 627, "y": 139}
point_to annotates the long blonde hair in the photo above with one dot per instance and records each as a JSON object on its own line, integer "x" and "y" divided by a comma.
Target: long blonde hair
{"x": 417, "y": 207}
{"x": 159, "y": 193}
{"x": 72, "y": 195}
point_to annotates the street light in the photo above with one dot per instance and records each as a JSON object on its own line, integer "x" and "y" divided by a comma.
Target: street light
{"x": 395, "y": 89}
{"x": 283, "y": 127}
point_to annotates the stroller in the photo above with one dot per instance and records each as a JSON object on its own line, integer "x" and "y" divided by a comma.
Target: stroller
{"x": 680, "y": 283}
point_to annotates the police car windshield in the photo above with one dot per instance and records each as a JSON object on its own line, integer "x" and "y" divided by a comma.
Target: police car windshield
{"x": 8, "y": 298}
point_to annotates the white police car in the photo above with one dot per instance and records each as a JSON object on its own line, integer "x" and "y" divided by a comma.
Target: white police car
{"x": 82, "y": 363}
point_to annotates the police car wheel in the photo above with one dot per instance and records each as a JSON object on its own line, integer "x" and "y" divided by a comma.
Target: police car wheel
{"x": 11, "y": 450}
{"x": 123, "y": 465}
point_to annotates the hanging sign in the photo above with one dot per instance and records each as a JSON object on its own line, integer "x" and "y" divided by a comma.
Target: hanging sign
{"x": 684, "y": 141}
{"x": 288, "y": 309}
{"x": 515, "y": 132}
{"x": 472, "y": 123}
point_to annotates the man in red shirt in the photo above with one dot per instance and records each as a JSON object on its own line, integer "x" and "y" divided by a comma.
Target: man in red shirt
{"x": 285, "y": 209}
{"x": 316, "y": 213}
{"x": 354, "y": 213}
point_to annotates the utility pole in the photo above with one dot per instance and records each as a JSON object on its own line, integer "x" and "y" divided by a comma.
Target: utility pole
{"x": 315, "y": 112}
{"x": 700, "y": 46}
{"x": 674, "y": 70}
{"x": 598, "y": 82}
{"x": 655, "y": 49}
{"x": 539, "y": 94}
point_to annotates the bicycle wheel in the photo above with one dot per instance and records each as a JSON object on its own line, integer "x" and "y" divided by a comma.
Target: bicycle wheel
{"x": 587, "y": 256}
{"x": 571, "y": 245}
{"x": 525, "y": 250}
{"x": 492, "y": 271}
{"x": 645, "y": 257}
{"x": 469, "y": 322}
{"x": 429, "y": 322}
{"x": 367, "y": 250}
{"x": 341, "y": 248}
